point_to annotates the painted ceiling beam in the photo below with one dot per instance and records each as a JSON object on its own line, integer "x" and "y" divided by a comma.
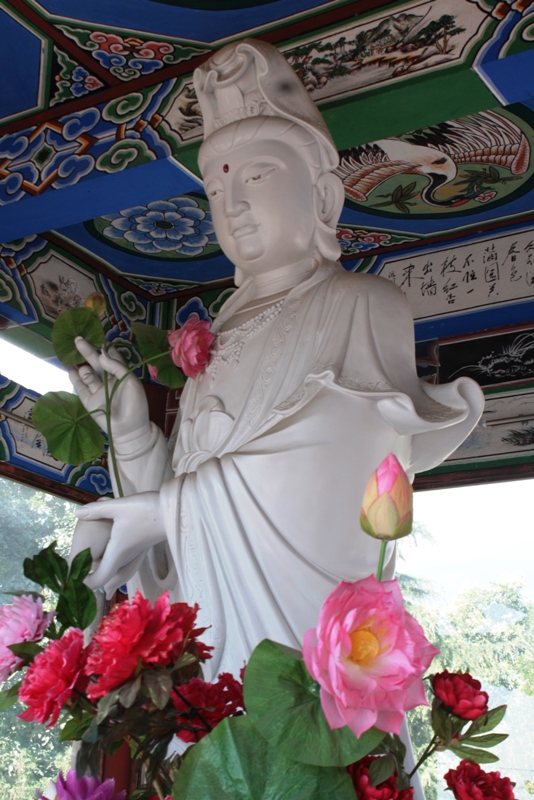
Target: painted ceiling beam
{"x": 103, "y": 194}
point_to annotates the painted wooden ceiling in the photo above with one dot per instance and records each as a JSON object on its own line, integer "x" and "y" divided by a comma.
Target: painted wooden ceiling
{"x": 431, "y": 105}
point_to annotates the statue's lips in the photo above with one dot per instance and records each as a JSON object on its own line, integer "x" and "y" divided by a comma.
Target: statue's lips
{"x": 244, "y": 230}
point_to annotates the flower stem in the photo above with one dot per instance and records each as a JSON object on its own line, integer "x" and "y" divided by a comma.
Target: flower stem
{"x": 381, "y": 558}
{"x": 434, "y": 744}
{"x": 114, "y": 465}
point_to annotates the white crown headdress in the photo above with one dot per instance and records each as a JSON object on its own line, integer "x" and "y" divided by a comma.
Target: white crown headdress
{"x": 252, "y": 78}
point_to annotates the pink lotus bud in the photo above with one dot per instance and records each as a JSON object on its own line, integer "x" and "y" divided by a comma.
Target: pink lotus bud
{"x": 387, "y": 502}
{"x": 153, "y": 371}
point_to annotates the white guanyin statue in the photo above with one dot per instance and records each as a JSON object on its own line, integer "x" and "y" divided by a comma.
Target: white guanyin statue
{"x": 252, "y": 509}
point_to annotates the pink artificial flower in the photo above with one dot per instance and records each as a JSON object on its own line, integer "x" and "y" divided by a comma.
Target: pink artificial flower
{"x": 22, "y": 621}
{"x": 153, "y": 371}
{"x": 52, "y": 679}
{"x": 368, "y": 655}
{"x": 86, "y": 788}
{"x": 387, "y": 502}
{"x": 190, "y": 346}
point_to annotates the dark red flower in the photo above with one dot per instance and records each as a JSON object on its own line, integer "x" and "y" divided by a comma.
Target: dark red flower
{"x": 51, "y": 680}
{"x": 131, "y": 631}
{"x": 469, "y": 782}
{"x": 460, "y": 694}
{"x": 387, "y": 790}
{"x": 203, "y": 705}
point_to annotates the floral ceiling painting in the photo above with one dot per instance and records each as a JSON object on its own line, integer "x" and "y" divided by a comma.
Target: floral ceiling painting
{"x": 430, "y": 106}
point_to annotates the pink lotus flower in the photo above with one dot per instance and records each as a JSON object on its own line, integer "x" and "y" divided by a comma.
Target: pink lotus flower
{"x": 387, "y": 502}
{"x": 74, "y": 788}
{"x": 153, "y": 371}
{"x": 49, "y": 683}
{"x": 368, "y": 655}
{"x": 22, "y": 621}
{"x": 190, "y": 346}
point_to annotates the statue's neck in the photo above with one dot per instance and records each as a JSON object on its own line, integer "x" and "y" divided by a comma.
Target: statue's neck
{"x": 267, "y": 289}
{"x": 280, "y": 280}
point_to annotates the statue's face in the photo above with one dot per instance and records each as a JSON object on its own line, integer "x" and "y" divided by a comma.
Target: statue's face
{"x": 262, "y": 203}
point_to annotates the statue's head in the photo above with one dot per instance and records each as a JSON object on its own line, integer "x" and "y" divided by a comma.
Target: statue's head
{"x": 267, "y": 161}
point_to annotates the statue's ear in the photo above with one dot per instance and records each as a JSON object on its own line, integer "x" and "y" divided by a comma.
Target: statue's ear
{"x": 329, "y": 198}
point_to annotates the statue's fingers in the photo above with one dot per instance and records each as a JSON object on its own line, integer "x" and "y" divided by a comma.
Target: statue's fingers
{"x": 89, "y": 378}
{"x": 111, "y": 364}
{"x": 88, "y": 352}
{"x": 123, "y": 575}
{"x": 92, "y": 535}
{"x": 79, "y": 386}
{"x": 101, "y": 509}
{"x": 111, "y": 572}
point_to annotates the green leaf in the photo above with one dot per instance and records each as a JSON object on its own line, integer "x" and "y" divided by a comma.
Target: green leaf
{"x": 282, "y": 701}
{"x": 81, "y": 565}
{"x": 487, "y": 722}
{"x": 105, "y": 704}
{"x": 494, "y": 173}
{"x": 159, "y": 685}
{"x": 72, "y": 323}
{"x": 487, "y": 740}
{"x": 473, "y": 754}
{"x": 25, "y": 650}
{"x": 76, "y": 606}
{"x": 154, "y": 347}
{"x": 8, "y": 697}
{"x": 397, "y": 194}
{"x": 128, "y": 693}
{"x": 234, "y": 762}
{"x": 71, "y": 433}
{"x": 441, "y": 721}
{"x": 74, "y": 729}
{"x": 47, "y": 568}
{"x": 382, "y": 769}
{"x": 407, "y": 190}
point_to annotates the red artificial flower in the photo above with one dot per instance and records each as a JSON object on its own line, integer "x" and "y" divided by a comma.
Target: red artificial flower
{"x": 135, "y": 630}
{"x": 469, "y": 782}
{"x": 387, "y": 790}
{"x": 460, "y": 694}
{"x": 52, "y": 679}
{"x": 203, "y": 705}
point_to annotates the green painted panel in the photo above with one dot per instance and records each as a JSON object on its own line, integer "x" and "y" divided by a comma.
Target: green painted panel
{"x": 396, "y": 110}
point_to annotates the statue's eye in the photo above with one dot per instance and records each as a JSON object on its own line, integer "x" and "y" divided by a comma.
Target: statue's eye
{"x": 261, "y": 174}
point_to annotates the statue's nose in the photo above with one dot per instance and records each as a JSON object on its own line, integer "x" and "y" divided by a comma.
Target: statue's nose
{"x": 234, "y": 203}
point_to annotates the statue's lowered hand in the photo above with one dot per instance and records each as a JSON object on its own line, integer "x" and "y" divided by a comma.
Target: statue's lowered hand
{"x": 129, "y": 409}
{"x": 119, "y": 533}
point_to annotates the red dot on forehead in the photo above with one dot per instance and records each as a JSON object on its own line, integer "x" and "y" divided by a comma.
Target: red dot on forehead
{"x": 226, "y": 168}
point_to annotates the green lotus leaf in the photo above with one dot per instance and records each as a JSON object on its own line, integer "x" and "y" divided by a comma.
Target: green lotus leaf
{"x": 72, "y": 323}
{"x": 154, "y": 347}
{"x": 282, "y": 700}
{"x": 235, "y": 762}
{"x": 71, "y": 433}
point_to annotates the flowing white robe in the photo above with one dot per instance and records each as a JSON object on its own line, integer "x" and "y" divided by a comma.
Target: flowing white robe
{"x": 272, "y": 452}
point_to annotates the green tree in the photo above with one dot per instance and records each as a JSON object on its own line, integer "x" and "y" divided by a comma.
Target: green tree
{"x": 29, "y": 520}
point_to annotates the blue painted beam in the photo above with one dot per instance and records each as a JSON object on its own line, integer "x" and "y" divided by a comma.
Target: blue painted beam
{"x": 88, "y": 199}
{"x": 511, "y": 79}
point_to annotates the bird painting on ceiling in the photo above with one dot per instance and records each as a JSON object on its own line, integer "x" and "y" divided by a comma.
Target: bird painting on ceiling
{"x": 495, "y": 148}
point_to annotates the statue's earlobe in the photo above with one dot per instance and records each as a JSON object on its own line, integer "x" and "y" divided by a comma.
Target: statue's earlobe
{"x": 329, "y": 197}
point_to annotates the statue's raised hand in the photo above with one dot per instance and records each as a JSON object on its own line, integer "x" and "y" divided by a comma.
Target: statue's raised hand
{"x": 129, "y": 409}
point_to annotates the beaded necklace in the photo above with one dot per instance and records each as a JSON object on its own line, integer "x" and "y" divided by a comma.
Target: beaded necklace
{"x": 229, "y": 344}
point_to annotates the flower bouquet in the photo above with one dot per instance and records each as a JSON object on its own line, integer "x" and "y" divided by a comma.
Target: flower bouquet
{"x": 307, "y": 725}
{"x": 321, "y": 723}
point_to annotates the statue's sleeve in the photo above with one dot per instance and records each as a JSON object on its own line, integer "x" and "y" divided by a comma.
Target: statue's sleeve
{"x": 144, "y": 465}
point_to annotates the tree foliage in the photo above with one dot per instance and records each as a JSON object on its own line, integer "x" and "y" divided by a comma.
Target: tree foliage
{"x": 30, "y": 754}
